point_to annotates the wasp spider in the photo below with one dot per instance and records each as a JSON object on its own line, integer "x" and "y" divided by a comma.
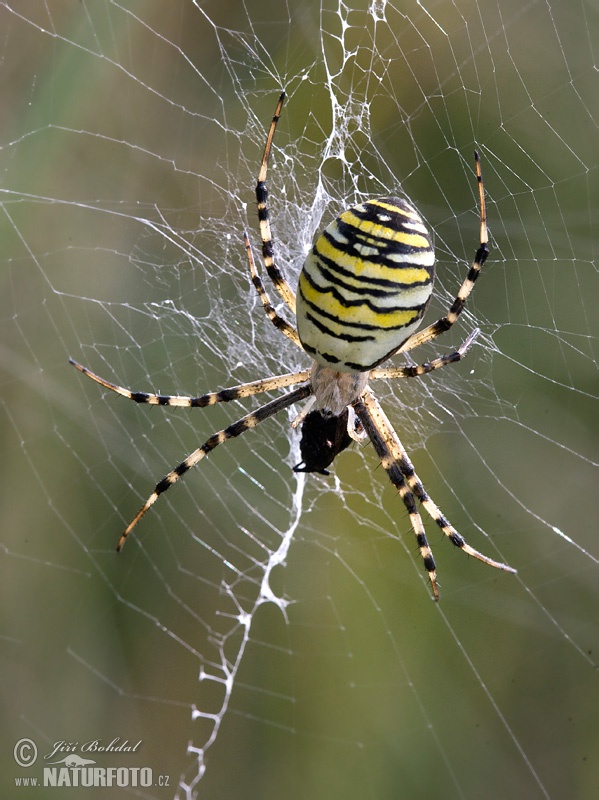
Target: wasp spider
{"x": 362, "y": 293}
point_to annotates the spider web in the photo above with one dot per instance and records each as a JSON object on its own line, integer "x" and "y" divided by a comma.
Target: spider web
{"x": 267, "y": 634}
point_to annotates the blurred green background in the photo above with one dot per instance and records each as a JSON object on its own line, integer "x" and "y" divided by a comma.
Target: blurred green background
{"x": 131, "y": 138}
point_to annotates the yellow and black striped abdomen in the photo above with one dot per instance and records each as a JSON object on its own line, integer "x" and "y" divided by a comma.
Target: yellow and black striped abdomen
{"x": 365, "y": 285}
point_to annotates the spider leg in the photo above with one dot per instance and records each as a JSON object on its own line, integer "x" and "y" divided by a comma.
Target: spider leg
{"x": 278, "y": 321}
{"x": 385, "y": 441}
{"x": 274, "y": 273}
{"x": 435, "y": 513}
{"x": 445, "y": 323}
{"x": 402, "y": 475}
{"x": 242, "y": 425}
{"x": 303, "y": 413}
{"x": 209, "y": 399}
{"x": 428, "y": 366}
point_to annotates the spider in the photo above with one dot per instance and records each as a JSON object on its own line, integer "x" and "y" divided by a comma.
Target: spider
{"x": 362, "y": 292}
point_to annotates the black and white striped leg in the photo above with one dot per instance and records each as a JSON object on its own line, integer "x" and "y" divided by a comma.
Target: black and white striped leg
{"x": 401, "y": 473}
{"x": 385, "y": 441}
{"x": 274, "y": 273}
{"x": 242, "y": 425}
{"x": 278, "y": 321}
{"x": 435, "y": 513}
{"x": 428, "y": 366}
{"x": 445, "y": 323}
{"x": 209, "y": 399}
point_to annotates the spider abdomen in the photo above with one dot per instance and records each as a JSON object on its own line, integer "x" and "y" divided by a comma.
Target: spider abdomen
{"x": 365, "y": 285}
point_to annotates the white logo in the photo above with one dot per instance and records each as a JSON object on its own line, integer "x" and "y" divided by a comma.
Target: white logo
{"x": 25, "y": 752}
{"x": 73, "y": 760}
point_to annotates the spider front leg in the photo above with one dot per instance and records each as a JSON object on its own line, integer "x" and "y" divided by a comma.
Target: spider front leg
{"x": 399, "y": 468}
{"x": 382, "y": 437}
{"x": 242, "y": 425}
{"x": 211, "y": 398}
